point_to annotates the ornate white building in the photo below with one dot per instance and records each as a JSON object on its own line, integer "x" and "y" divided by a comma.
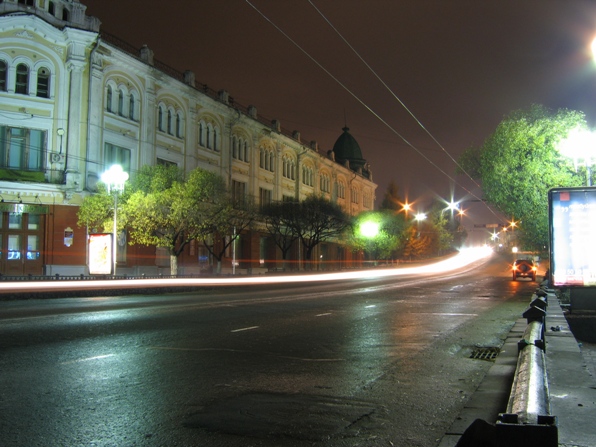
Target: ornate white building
{"x": 74, "y": 101}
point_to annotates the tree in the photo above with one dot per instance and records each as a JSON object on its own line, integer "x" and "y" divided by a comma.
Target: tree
{"x": 520, "y": 162}
{"x": 386, "y": 240}
{"x": 223, "y": 227}
{"x": 165, "y": 210}
{"x": 392, "y": 200}
{"x": 314, "y": 220}
{"x": 278, "y": 218}
{"x": 97, "y": 211}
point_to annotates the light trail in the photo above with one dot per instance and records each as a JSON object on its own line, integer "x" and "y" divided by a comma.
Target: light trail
{"x": 464, "y": 257}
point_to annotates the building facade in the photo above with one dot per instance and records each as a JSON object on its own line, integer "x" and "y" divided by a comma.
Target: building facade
{"x": 75, "y": 101}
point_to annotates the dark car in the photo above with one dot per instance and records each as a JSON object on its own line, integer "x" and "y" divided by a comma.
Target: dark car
{"x": 524, "y": 268}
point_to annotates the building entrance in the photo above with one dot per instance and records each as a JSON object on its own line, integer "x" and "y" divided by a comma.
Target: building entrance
{"x": 21, "y": 239}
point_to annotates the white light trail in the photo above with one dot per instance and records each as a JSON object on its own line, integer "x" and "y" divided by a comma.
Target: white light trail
{"x": 463, "y": 258}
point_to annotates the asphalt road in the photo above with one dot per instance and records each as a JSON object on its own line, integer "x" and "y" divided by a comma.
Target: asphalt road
{"x": 378, "y": 362}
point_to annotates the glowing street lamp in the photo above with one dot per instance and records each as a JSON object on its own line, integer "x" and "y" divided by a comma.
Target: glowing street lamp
{"x": 579, "y": 145}
{"x": 419, "y": 217}
{"x": 115, "y": 178}
{"x": 369, "y": 229}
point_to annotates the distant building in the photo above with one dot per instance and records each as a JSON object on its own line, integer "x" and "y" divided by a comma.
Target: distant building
{"x": 74, "y": 101}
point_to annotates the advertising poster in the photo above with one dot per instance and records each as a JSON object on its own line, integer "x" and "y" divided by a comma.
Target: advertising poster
{"x": 100, "y": 254}
{"x": 572, "y": 225}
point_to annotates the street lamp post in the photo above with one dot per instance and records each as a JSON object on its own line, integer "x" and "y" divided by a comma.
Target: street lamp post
{"x": 114, "y": 178}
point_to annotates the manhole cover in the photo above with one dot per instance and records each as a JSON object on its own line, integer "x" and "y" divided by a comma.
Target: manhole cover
{"x": 485, "y": 353}
{"x": 298, "y": 416}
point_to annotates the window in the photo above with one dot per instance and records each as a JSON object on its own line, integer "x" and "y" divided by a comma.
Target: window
{"x": 201, "y": 133}
{"x": 167, "y": 163}
{"x": 325, "y": 183}
{"x": 178, "y": 125}
{"x": 52, "y": 8}
{"x": 289, "y": 168}
{"x": 3, "y": 69}
{"x": 120, "y": 103}
{"x": 355, "y": 198}
{"x": 160, "y": 124}
{"x": 131, "y": 107}
{"x": 22, "y": 83}
{"x": 245, "y": 147}
{"x": 43, "y": 82}
{"x": 117, "y": 155}
{"x": 307, "y": 175}
{"x": 64, "y": 14}
{"x": 238, "y": 191}
{"x": 341, "y": 190}
{"x": 266, "y": 159}
{"x": 21, "y": 148}
{"x": 109, "y": 95}
{"x": 264, "y": 196}
{"x": 169, "y": 124}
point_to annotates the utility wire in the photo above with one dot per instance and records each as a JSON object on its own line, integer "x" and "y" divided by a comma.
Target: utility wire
{"x": 408, "y": 143}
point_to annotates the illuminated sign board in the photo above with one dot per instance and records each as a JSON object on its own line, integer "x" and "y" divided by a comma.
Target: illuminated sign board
{"x": 100, "y": 254}
{"x": 572, "y": 225}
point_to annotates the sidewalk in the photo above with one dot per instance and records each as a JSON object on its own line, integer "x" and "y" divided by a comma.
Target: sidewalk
{"x": 571, "y": 373}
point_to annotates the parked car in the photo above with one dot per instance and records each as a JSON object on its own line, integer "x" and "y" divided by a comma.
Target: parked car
{"x": 524, "y": 268}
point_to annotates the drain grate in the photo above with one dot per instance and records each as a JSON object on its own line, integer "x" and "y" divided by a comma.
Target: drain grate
{"x": 485, "y": 353}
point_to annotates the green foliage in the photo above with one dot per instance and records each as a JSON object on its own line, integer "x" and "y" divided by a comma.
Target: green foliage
{"x": 389, "y": 239}
{"x": 392, "y": 200}
{"x": 97, "y": 211}
{"x": 520, "y": 162}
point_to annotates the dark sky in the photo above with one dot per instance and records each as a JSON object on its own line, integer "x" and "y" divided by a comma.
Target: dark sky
{"x": 459, "y": 66}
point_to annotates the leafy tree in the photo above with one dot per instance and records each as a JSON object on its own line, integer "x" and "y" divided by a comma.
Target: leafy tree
{"x": 97, "y": 211}
{"x": 164, "y": 210}
{"x": 388, "y": 239}
{"x": 418, "y": 243}
{"x": 520, "y": 162}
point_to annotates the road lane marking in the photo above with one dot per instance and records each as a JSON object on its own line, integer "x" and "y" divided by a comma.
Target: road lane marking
{"x": 323, "y": 315}
{"x": 245, "y": 329}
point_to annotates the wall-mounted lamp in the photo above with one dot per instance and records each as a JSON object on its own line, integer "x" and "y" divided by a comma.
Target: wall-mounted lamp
{"x": 60, "y": 133}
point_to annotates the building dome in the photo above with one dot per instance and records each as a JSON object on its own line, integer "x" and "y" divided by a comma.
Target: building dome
{"x": 346, "y": 148}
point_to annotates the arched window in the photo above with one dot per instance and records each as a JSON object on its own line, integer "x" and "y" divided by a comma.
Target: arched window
{"x": 52, "y": 8}
{"x": 170, "y": 122}
{"x": 22, "y": 81}
{"x": 179, "y": 132}
{"x": 43, "y": 82}
{"x": 215, "y": 139}
{"x": 234, "y": 147}
{"x": 246, "y": 159}
{"x": 109, "y": 98}
{"x": 120, "y": 102}
{"x": 65, "y": 14}
{"x": 160, "y": 123}
{"x": 131, "y": 107}
{"x": 3, "y": 70}
{"x": 201, "y": 134}
{"x": 208, "y": 136}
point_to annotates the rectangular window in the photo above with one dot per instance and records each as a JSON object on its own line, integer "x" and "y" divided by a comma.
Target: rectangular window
{"x": 264, "y": 196}
{"x": 15, "y": 221}
{"x": 32, "y": 247}
{"x": 238, "y": 191}
{"x": 22, "y": 148}
{"x": 116, "y": 155}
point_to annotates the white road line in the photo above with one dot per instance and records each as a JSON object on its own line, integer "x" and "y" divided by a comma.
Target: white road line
{"x": 323, "y": 315}
{"x": 245, "y": 329}
{"x": 97, "y": 357}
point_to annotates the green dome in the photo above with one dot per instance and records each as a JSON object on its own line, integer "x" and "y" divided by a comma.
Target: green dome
{"x": 346, "y": 148}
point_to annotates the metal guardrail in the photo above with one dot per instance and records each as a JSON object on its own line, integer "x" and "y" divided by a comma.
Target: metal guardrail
{"x": 528, "y": 421}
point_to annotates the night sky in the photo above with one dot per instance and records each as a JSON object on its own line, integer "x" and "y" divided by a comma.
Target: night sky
{"x": 459, "y": 66}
